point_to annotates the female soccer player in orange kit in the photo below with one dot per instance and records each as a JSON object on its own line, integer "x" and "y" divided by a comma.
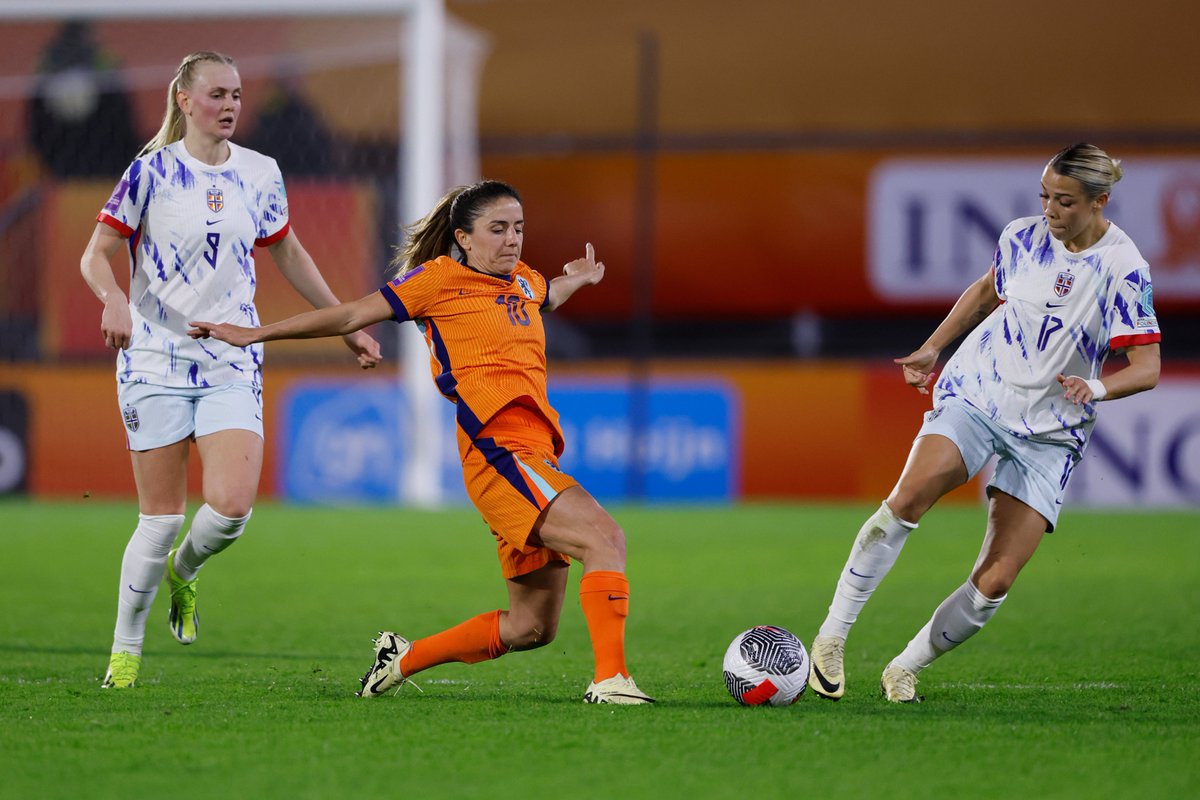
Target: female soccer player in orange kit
{"x": 460, "y": 278}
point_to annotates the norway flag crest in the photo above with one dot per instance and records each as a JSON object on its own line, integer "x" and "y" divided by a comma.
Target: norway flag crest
{"x": 216, "y": 200}
{"x": 1063, "y": 284}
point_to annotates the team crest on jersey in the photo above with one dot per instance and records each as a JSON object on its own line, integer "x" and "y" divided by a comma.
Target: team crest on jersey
{"x": 526, "y": 289}
{"x": 216, "y": 200}
{"x": 130, "y": 415}
{"x": 1063, "y": 284}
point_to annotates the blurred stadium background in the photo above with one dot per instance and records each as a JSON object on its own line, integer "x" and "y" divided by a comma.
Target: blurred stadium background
{"x": 786, "y": 196}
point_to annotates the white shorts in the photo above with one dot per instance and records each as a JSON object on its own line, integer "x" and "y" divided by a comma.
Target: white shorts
{"x": 156, "y": 416}
{"x": 1036, "y": 473}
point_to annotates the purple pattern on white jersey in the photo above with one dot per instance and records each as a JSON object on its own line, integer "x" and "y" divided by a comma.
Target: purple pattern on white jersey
{"x": 1059, "y": 312}
{"x": 193, "y": 261}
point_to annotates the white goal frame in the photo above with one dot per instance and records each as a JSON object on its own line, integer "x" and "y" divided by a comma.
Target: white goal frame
{"x": 424, "y": 148}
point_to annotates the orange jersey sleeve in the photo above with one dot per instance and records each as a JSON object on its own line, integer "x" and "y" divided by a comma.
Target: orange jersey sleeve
{"x": 486, "y": 340}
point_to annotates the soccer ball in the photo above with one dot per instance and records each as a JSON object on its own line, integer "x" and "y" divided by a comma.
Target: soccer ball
{"x": 766, "y": 665}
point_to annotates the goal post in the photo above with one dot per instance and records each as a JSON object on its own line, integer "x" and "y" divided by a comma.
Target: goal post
{"x": 433, "y": 87}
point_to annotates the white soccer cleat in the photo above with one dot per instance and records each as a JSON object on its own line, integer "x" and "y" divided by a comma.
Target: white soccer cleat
{"x": 826, "y": 673}
{"x": 385, "y": 672}
{"x": 619, "y": 690}
{"x": 899, "y": 685}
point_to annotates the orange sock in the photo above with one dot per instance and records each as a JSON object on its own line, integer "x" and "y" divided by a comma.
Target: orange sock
{"x": 477, "y": 639}
{"x": 605, "y": 599}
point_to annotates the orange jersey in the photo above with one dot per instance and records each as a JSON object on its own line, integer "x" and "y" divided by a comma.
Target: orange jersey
{"x": 485, "y": 337}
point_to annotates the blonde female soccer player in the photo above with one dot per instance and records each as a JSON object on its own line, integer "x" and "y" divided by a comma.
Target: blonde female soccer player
{"x": 461, "y": 279}
{"x": 1065, "y": 290}
{"x": 191, "y": 208}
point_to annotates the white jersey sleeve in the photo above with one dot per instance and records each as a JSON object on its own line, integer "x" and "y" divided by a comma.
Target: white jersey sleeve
{"x": 1060, "y": 313}
{"x": 192, "y": 230}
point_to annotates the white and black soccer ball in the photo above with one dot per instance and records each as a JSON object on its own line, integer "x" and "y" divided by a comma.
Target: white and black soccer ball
{"x": 766, "y": 665}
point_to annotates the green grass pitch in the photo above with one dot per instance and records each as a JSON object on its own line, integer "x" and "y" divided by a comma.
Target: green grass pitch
{"x": 1084, "y": 685}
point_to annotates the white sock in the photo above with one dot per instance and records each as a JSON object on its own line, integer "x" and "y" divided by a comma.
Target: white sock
{"x": 875, "y": 550}
{"x": 210, "y": 534}
{"x": 958, "y": 618}
{"x": 142, "y": 569}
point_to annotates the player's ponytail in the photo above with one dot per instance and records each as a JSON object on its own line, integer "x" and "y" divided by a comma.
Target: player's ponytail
{"x": 173, "y": 124}
{"x": 427, "y": 238}
{"x": 433, "y": 235}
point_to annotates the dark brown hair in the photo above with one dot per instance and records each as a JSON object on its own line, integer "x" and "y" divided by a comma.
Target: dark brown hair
{"x": 458, "y": 209}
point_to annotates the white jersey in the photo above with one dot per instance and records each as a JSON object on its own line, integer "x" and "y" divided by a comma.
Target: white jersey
{"x": 192, "y": 229}
{"x": 1060, "y": 313}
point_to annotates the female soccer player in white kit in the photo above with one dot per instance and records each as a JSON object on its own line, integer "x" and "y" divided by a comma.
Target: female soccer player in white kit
{"x": 1065, "y": 289}
{"x": 191, "y": 208}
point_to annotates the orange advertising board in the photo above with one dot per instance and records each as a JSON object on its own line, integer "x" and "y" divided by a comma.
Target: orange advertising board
{"x": 808, "y": 430}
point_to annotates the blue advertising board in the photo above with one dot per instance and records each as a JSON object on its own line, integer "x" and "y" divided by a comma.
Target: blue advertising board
{"x": 666, "y": 441}
{"x": 343, "y": 443}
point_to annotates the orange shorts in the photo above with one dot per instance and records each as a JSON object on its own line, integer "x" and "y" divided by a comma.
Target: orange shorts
{"x": 512, "y": 475}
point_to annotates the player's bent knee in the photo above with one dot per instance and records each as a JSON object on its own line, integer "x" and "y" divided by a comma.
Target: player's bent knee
{"x": 532, "y": 637}
{"x": 907, "y": 506}
{"x": 229, "y": 506}
{"x": 993, "y": 581}
{"x": 607, "y": 545}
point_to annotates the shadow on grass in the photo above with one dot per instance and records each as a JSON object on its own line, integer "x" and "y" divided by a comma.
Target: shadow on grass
{"x": 273, "y": 655}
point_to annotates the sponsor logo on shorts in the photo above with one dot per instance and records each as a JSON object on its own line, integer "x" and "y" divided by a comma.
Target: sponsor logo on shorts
{"x": 551, "y": 465}
{"x": 130, "y": 415}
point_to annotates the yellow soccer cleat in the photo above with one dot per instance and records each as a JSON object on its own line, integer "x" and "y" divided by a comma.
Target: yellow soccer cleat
{"x": 183, "y": 617}
{"x": 122, "y": 671}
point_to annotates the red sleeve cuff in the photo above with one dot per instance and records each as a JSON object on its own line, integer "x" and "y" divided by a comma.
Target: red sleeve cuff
{"x": 115, "y": 224}
{"x": 1118, "y": 342}
{"x": 274, "y": 237}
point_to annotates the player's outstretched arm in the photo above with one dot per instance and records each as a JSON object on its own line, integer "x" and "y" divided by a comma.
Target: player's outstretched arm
{"x": 586, "y": 271}
{"x": 1145, "y": 363}
{"x": 972, "y": 307}
{"x": 298, "y": 267}
{"x": 339, "y": 320}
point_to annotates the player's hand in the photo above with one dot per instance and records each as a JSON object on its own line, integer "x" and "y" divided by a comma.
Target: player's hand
{"x": 365, "y": 347}
{"x": 116, "y": 323}
{"x": 1075, "y": 389}
{"x": 918, "y": 369}
{"x": 235, "y": 335}
{"x": 587, "y": 269}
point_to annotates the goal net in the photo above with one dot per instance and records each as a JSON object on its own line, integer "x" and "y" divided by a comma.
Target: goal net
{"x": 370, "y": 112}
